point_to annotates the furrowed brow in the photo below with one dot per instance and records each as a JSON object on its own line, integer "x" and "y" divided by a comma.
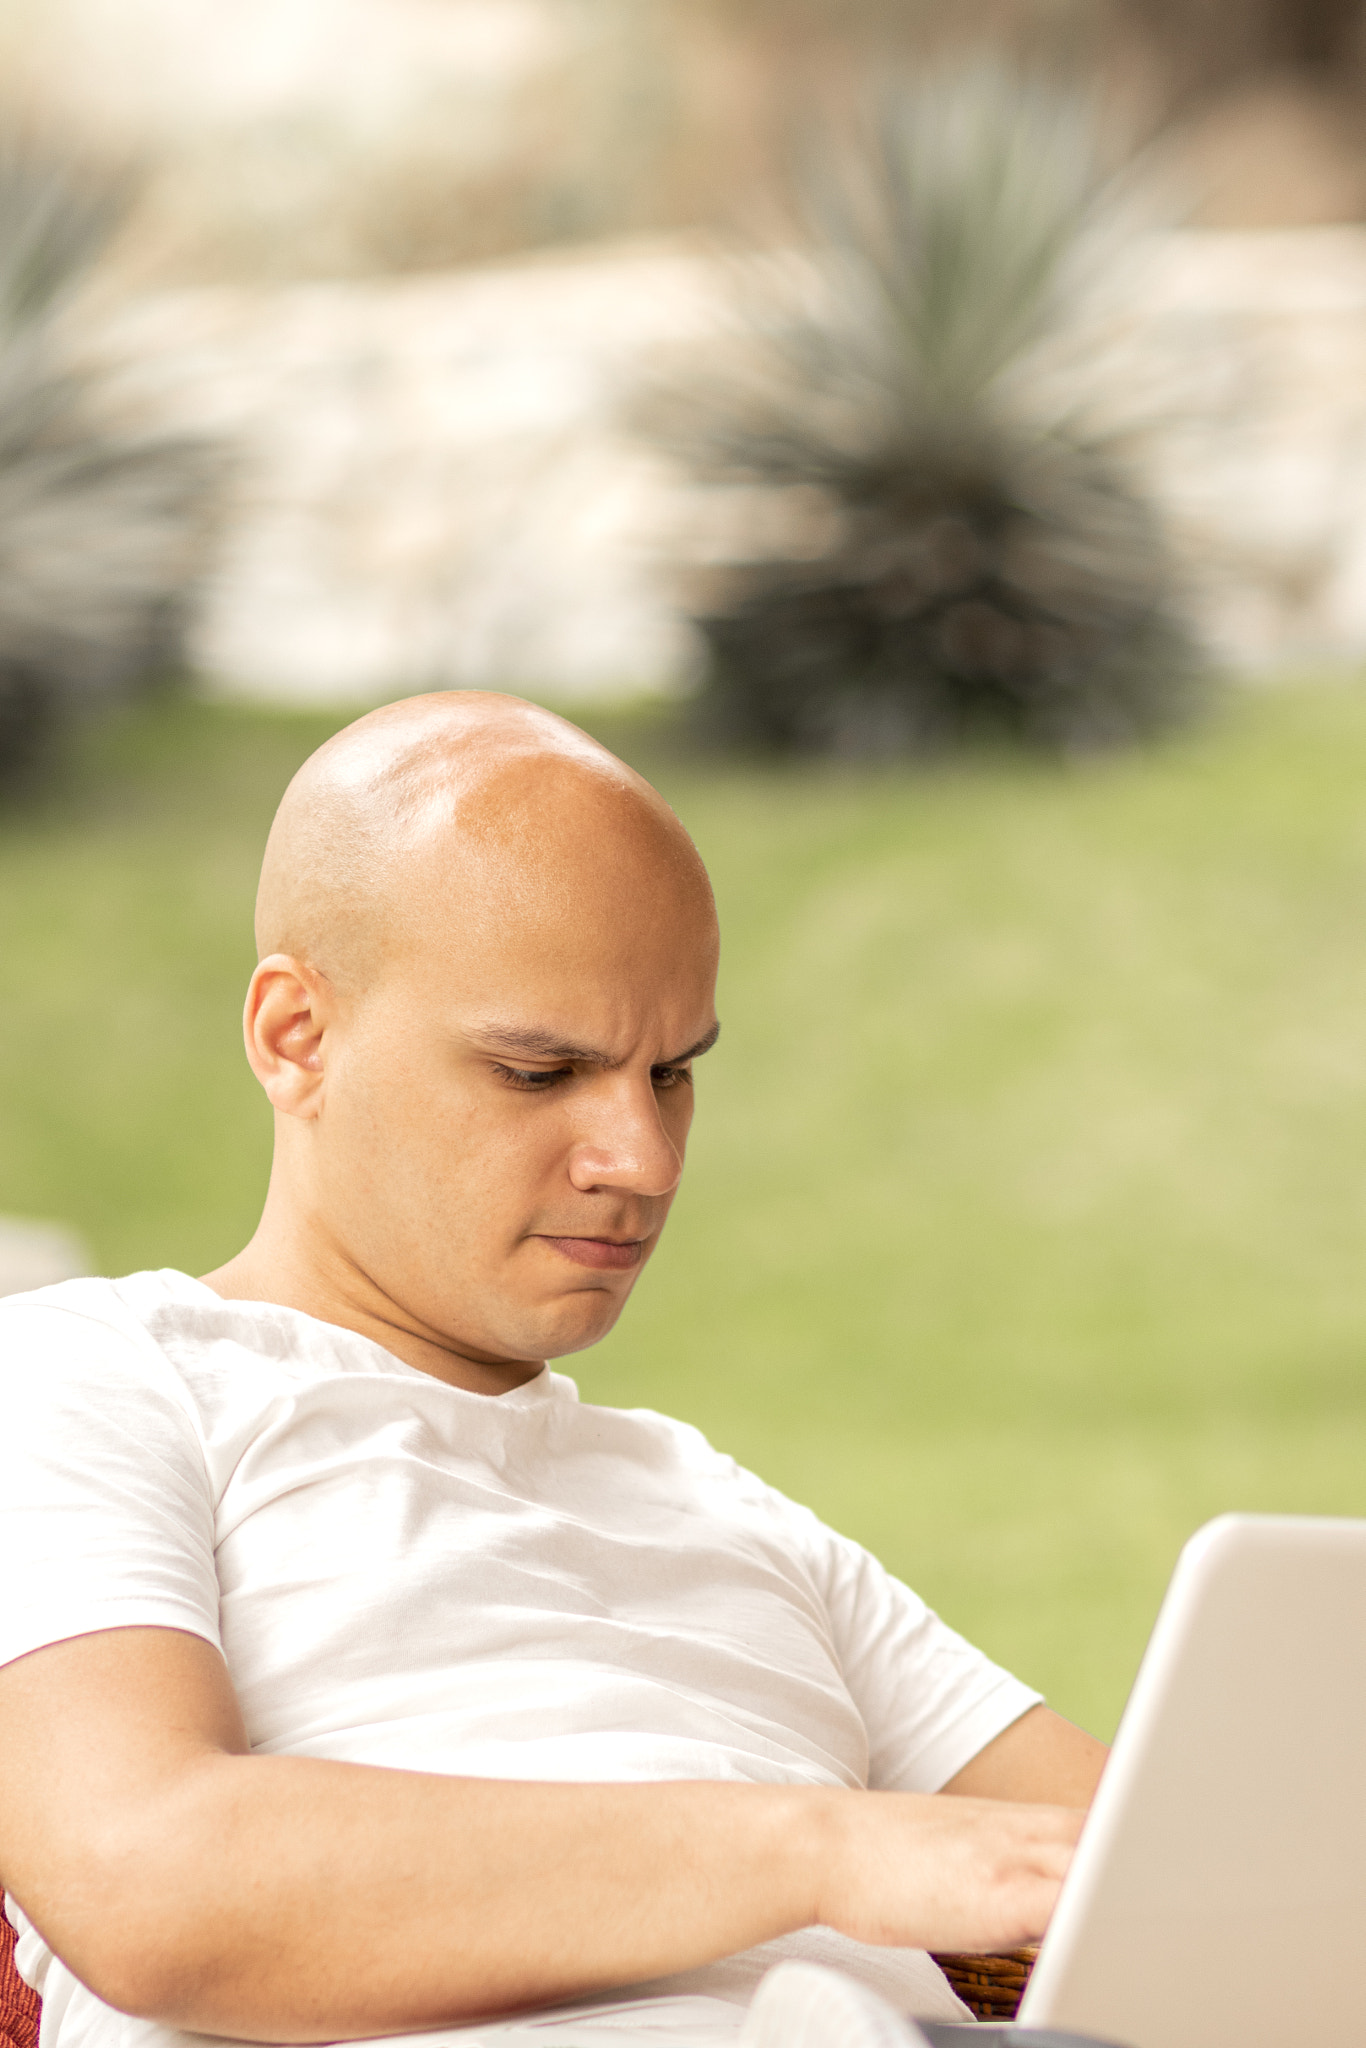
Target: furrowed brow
{"x": 543, "y": 1045}
{"x": 537, "y": 1045}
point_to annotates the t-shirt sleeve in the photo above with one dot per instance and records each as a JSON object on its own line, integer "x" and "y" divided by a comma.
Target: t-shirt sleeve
{"x": 930, "y": 1701}
{"x": 106, "y": 1515}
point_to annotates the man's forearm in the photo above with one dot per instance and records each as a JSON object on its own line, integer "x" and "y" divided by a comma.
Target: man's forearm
{"x": 280, "y": 1897}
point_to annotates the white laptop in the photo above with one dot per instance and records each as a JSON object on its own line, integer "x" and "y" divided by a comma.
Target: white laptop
{"x": 1218, "y": 1896}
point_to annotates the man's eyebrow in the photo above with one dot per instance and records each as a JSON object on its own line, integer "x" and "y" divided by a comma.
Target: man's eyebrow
{"x": 695, "y": 1052}
{"x": 543, "y": 1045}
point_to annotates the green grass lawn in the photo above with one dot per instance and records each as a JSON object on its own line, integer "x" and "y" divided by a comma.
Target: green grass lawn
{"x": 1025, "y": 1224}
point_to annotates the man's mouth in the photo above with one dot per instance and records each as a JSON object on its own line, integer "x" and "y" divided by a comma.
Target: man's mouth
{"x": 611, "y": 1253}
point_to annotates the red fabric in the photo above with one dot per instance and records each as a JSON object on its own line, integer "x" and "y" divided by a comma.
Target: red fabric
{"x": 19, "y": 2007}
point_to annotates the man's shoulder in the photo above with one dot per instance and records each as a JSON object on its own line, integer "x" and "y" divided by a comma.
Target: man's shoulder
{"x": 135, "y": 1332}
{"x": 169, "y": 1317}
{"x": 79, "y": 1357}
{"x": 55, "y": 1313}
{"x": 76, "y": 1311}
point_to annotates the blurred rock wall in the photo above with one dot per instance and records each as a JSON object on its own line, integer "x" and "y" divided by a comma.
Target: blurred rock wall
{"x": 433, "y": 482}
{"x": 430, "y": 483}
{"x": 1248, "y": 352}
{"x": 290, "y": 139}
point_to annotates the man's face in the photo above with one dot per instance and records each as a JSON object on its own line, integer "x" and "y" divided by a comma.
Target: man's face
{"x": 504, "y": 1113}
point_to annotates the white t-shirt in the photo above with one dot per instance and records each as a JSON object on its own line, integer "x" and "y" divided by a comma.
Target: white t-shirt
{"x": 402, "y": 1573}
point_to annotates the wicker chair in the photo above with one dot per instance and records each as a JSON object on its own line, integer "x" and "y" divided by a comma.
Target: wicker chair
{"x": 19, "y": 2007}
{"x": 991, "y": 1987}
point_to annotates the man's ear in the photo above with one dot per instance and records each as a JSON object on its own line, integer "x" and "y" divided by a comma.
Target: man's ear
{"x": 289, "y": 1007}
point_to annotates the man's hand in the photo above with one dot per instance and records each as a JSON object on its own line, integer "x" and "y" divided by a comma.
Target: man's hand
{"x": 286, "y": 1898}
{"x": 944, "y": 1874}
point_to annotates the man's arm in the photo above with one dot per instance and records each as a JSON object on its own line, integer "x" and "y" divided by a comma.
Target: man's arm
{"x": 288, "y": 1898}
{"x": 1039, "y": 1757}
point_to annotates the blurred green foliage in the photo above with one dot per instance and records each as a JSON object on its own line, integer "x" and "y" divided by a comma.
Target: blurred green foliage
{"x": 976, "y": 555}
{"x": 1025, "y": 1218}
{"x": 103, "y": 519}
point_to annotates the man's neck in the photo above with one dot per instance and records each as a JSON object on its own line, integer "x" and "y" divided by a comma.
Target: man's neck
{"x": 333, "y": 1291}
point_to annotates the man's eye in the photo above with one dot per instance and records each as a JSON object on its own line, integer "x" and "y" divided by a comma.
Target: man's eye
{"x": 671, "y": 1077}
{"x": 536, "y": 1078}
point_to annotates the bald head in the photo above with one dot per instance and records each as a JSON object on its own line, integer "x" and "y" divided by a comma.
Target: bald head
{"x": 447, "y": 811}
{"x": 488, "y": 965}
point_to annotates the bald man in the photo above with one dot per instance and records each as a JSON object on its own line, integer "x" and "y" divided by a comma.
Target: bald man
{"x": 356, "y": 1678}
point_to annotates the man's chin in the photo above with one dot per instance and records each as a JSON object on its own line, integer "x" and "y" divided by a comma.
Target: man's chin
{"x": 578, "y": 1320}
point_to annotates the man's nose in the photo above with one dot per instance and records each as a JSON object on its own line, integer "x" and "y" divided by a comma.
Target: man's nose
{"x": 622, "y": 1142}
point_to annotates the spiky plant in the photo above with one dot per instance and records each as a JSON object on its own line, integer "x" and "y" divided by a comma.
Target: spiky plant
{"x": 964, "y": 555}
{"x": 102, "y": 522}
